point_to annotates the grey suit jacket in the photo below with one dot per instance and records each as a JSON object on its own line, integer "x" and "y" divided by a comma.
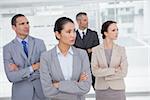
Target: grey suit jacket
{"x": 69, "y": 89}
{"x": 24, "y": 82}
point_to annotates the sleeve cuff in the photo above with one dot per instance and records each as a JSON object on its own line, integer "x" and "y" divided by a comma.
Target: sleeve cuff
{"x": 31, "y": 70}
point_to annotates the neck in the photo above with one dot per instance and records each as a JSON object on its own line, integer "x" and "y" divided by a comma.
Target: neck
{"x": 81, "y": 28}
{"x": 63, "y": 48}
{"x": 22, "y": 37}
{"x": 108, "y": 44}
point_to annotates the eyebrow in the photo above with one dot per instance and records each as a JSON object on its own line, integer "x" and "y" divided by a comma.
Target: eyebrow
{"x": 70, "y": 30}
{"x": 23, "y": 23}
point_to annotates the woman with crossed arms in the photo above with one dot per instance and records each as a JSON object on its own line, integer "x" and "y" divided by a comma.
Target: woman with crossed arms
{"x": 109, "y": 65}
{"x": 65, "y": 70}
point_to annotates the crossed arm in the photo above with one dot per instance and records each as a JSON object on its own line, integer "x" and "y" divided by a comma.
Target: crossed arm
{"x": 83, "y": 77}
{"x": 13, "y": 72}
{"x": 75, "y": 87}
{"x": 111, "y": 73}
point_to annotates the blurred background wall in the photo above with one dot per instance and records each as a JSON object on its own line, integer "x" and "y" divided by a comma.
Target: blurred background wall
{"x": 132, "y": 16}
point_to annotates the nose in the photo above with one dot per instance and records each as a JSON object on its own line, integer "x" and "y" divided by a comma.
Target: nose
{"x": 117, "y": 32}
{"x": 26, "y": 25}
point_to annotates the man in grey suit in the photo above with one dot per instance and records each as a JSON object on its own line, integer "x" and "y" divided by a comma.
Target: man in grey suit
{"x": 86, "y": 38}
{"x": 21, "y": 62}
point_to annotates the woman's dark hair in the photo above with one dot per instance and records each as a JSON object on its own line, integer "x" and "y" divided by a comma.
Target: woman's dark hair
{"x": 60, "y": 22}
{"x": 105, "y": 27}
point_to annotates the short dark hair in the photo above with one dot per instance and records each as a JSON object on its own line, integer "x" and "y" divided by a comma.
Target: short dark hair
{"x": 13, "y": 20}
{"x": 80, "y": 14}
{"x": 60, "y": 22}
{"x": 105, "y": 26}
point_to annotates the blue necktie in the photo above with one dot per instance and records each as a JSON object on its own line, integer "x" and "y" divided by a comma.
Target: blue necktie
{"x": 24, "y": 43}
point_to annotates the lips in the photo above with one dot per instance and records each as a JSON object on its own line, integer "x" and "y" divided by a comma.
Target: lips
{"x": 27, "y": 31}
{"x": 73, "y": 40}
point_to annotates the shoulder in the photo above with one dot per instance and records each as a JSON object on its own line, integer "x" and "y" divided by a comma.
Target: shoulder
{"x": 92, "y": 31}
{"x": 79, "y": 51}
{"x": 49, "y": 53}
{"x": 120, "y": 48}
{"x": 8, "y": 44}
{"x": 98, "y": 47}
{"x": 35, "y": 39}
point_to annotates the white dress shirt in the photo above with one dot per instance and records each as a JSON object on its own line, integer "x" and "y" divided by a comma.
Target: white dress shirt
{"x": 66, "y": 62}
{"x": 80, "y": 32}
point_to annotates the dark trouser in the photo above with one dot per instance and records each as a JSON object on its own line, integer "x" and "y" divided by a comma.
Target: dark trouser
{"x": 93, "y": 81}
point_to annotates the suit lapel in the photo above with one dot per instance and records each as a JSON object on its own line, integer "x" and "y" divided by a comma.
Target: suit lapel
{"x": 30, "y": 46}
{"x": 57, "y": 64}
{"x": 102, "y": 52}
{"x": 75, "y": 62}
{"x": 87, "y": 38}
{"x": 114, "y": 51}
{"x": 18, "y": 47}
{"x": 79, "y": 40}
{"x": 78, "y": 34}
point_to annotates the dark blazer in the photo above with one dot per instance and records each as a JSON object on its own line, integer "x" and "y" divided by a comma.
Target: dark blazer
{"x": 24, "y": 83}
{"x": 91, "y": 40}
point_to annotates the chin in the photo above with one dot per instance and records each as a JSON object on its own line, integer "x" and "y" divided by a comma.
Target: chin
{"x": 26, "y": 34}
{"x": 116, "y": 38}
{"x": 72, "y": 43}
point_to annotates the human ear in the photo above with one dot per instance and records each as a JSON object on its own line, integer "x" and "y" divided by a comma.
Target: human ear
{"x": 57, "y": 34}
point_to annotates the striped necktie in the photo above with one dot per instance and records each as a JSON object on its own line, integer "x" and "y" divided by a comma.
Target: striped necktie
{"x": 24, "y": 43}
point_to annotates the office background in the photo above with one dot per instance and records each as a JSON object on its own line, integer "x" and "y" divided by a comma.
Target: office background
{"x": 132, "y": 16}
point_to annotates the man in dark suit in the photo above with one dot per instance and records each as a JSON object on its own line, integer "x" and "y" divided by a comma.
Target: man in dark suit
{"x": 86, "y": 38}
{"x": 22, "y": 61}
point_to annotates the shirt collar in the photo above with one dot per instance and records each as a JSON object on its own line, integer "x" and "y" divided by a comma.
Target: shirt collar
{"x": 20, "y": 40}
{"x": 85, "y": 31}
{"x": 70, "y": 51}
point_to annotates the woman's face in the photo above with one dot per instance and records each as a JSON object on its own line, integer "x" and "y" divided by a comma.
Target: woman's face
{"x": 112, "y": 31}
{"x": 68, "y": 34}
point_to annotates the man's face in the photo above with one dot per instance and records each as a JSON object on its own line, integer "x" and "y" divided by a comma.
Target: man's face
{"x": 83, "y": 22}
{"x": 21, "y": 27}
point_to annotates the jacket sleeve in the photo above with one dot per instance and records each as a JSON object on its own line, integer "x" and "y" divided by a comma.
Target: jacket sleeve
{"x": 123, "y": 65}
{"x": 14, "y": 76}
{"x": 42, "y": 46}
{"x": 82, "y": 87}
{"x": 97, "y": 69}
{"x": 45, "y": 77}
{"x": 95, "y": 40}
